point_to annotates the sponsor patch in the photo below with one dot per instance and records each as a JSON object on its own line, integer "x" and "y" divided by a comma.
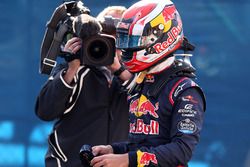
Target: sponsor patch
{"x": 187, "y": 111}
{"x": 189, "y": 98}
{"x": 179, "y": 88}
{"x": 139, "y": 127}
{"x": 145, "y": 159}
{"x": 150, "y": 79}
{"x": 143, "y": 106}
{"x": 187, "y": 126}
{"x": 188, "y": 106}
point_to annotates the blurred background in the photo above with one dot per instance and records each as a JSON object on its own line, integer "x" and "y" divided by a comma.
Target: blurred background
{"x": 219, "y": 28}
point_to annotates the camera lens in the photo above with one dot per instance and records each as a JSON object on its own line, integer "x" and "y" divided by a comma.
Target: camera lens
{"x": 98, "y": 49}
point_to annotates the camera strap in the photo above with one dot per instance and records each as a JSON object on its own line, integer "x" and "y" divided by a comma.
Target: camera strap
{"x": 53, "y": 37}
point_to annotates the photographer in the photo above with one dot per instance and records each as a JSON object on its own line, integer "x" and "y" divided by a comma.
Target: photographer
{"x": 87, "y": 103}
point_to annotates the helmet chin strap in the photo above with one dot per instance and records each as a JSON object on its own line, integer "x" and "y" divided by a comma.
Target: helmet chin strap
{"x": 169, "y": 61}
{"x": 186, "y": 58}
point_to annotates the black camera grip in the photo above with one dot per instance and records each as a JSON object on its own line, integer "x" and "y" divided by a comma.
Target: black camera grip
{"x": 86, "y": 155}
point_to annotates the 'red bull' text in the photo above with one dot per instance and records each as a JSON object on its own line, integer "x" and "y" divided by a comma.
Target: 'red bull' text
{"x": 139, "y": 127}
{"x": 172, "y": 36}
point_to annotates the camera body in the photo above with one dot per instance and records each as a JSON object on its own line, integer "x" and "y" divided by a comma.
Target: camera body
{"x": 98, "y": 48}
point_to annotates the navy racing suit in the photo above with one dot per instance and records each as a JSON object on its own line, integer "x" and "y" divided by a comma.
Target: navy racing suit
{"x": 164, "y": 130}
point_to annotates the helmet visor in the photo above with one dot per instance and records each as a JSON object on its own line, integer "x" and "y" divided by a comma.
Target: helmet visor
{"x": 125, "y": 41}
{"x": 135, "y": 42}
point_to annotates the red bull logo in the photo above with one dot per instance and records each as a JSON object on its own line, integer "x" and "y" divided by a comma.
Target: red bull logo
{"x": 139, "y": 127}
{"x": 143, "y": 106}
{"x": 172, "y": 36}
{"x": 150, "y": 78}
{"x": 144, "y": 158}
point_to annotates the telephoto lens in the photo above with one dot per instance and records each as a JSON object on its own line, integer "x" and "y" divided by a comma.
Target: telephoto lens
{"x": 86, "y": 155}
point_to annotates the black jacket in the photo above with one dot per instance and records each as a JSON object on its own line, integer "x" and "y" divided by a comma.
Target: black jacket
{"x": 89, "y": 112}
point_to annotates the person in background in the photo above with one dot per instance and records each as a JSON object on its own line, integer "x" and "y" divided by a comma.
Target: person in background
{"x": 166, "y": 106}
{"x": 87, "y": 103}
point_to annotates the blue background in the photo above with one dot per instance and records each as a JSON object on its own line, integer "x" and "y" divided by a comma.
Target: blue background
{"x": 221, "y": 31}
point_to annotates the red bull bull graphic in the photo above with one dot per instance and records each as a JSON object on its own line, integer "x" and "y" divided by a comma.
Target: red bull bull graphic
{"x": 139, "y": 127}
{"x": 143, "y": 106}
{"x": 145, "y": 158}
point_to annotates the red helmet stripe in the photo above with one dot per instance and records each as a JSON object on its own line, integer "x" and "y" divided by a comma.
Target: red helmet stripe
{"x": 138, "y": 13}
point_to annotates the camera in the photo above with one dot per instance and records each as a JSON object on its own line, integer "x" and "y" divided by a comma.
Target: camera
{"x": 98, "y": 48}
{"x": 74, "y": 19}
{"x": 86, "y": 155}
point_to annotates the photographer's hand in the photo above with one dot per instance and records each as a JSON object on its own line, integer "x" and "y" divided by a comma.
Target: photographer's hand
{"x": 124, "y": 75}
{"x": 72, "y": 46}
